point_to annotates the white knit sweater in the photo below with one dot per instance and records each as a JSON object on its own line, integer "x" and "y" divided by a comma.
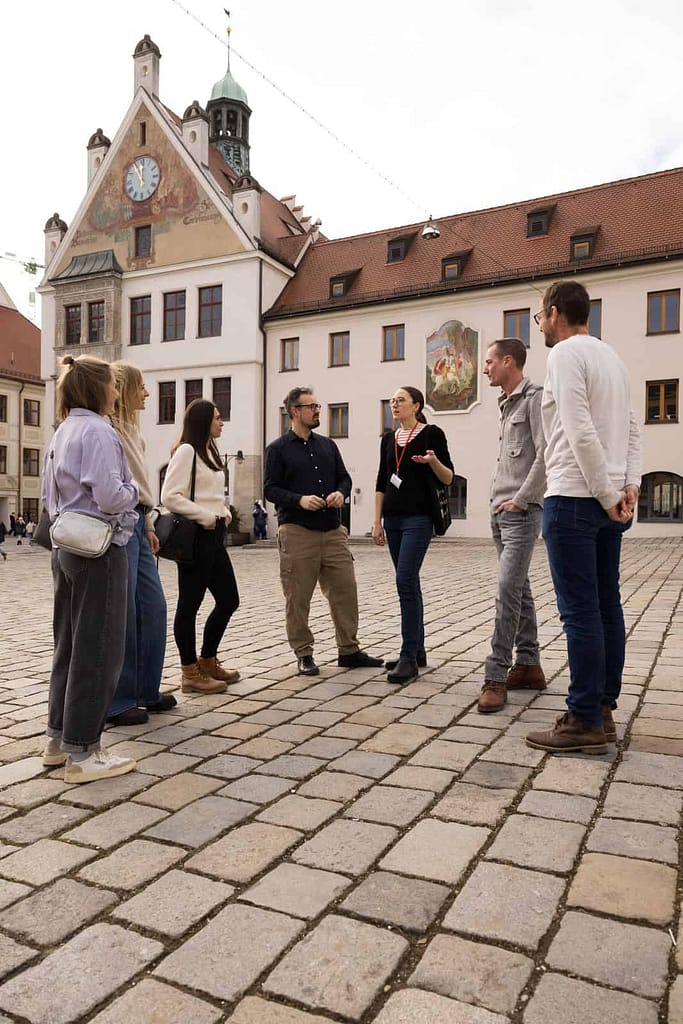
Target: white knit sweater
{"x": 209, "y": 500}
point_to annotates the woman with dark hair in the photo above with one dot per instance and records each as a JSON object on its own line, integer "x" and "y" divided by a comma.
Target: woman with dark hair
{"x": 86, "y": 471}
{"x": 196, "y": 455}
{"x": 408, "y": 456}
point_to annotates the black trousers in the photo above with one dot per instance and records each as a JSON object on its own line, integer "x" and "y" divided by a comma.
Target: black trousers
{"x": 212, "y": 570}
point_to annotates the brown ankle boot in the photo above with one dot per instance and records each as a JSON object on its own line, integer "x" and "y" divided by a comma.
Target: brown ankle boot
{"x": 526, "y": 677}
{"x": 213, "y": 668}
{"x": 608, "y": 724}
{"x": 492, "y": 698}
{"x": 195, "y": 681}
{"x": 570, "y": 733}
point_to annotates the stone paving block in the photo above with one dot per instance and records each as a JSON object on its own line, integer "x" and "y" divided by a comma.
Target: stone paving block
{"x": 325, "y": 747}
{"x": 671, "y": 729}
{"x": 205, "y": 746}
{"x": 437, "y": 850}
{"x": 377, "y": 716}
{"x": 152, "y": 1002}
{"x": 26, "y": 795}
{"x": 499, "y": 901}
{"x": 226, "y": 956}
{"x": 130, "y": 748}
{"x": 651, "y": 769}
{"x": 408, "y": 903}
{"x": 344, "y": 731}
{"x": 623, "y": 887}
{"x": 570, "y": 1001}
{"x": 201, "y": 821}
{"x": 132, "y": 864}
{"x": 335, "y": 786}
{"x": 398, "y": 738}
{"x": 634, "y": 839}
{"x": 258, "y": 789}
{"x": 317, "y": 970}
{"x": 437, "y": 716}
{"x": 174, "y": 793}
{"x": 228, "y": 766}
{"x": 253, "y": 1010}
{"x": 71, "y": 981}
{"x": 474, "y": 805}
{"x": 169, "y": 735}
{"x": 296, "y": 890}
{"x": 167, "y": 764}
{"x": 620, "y": 955}
{"x": 347, "y": 703}
{"x": 115, "y": 825}
{"x": 473, "y": 972}
{"x": 292, "y": 733}
{"x": 12, "y": 955}
{"x": 10, "y": 892}
{"x": 390, "y": 805}
{"x": 20, "y": 771}
{"x": 244, "y": 852}
{"x": 413, "y": 777}
{"x": 497, "y": 776}
{"x": 346, "y": 846}
{"x": 322, "y": 719}
{"x": 576, "y": 775}
{"x": 48, "y": 916}
{"x": 47, "y": 820}
{"x": 675, "y": 1015}
{"x": 444, "y": 754}
{"x": 644, "y": 803}
{"x": 262, "y": 747}
{"x": 513, "y": 750}
{"x": 300, "y": 812}
{"x": 413, "y": 1006}
{"x": 362, "y": 762}
{"x": 561, "y": 806}
{"x": 292, "y": 766}
{"x": 471, "y": 734}
{"x": 240, "y": 730}
{"x": 656, "y": 745}
{"x": 174, "y": 903}
{"x": 538, "y": 843}
{"x": 106, "y": 792}
{"x": 43, "y": 861}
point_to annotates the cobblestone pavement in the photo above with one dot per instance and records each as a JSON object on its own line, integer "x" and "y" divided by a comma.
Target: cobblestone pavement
{"x": 299, "y": 850}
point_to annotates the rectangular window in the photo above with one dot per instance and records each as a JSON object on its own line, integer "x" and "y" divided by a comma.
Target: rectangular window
{"x": 289, "y": 354}
{"x": 143, "y": 240}
{"x": 222, "y": 396}
{"x": 3, "y": 408}
{"x": 140, "y": 320}
{"x": 31, "y": 509}
{"x": 210, "y": 311}
{"x": 339, "y": 349}
{"x": 3, "y": 459}
{"x": 450, "y": 269}
{"x": 31, "y": 413}
{"x": 193, "y": 389}
{"x": 661, "y": 401}
{"x": 663, "y": 312}
{"x": 337, "y": 287}
{"x": 95, "y": 322}
{"x": 595, "y": 319}
{"x": 167, "y": 402}
{"x": 386, "y": 419}
{"x": 174, "y": 316}
{"x": 72, "y": 325}
{"x": 142, "y": 137}
{"x": 516, "y": 324}
{"x": 537, "y": 223}
{"x": 31, "y": 462}
{"x": 338, "y": 420}
{"x": 396, "y": 250}
{"x": 393, "y": 342}
{"x": 582, "y": 249}
{"x": 284, "y": 420}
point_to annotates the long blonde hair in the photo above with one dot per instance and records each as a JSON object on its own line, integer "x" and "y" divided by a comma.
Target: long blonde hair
{"x": 82, "y": 384}
{"x": 128, "y": 378}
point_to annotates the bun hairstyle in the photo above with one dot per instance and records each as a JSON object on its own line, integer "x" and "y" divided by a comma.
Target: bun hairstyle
{"x": 418, "y": 397}
{"x": 83, "y": 384}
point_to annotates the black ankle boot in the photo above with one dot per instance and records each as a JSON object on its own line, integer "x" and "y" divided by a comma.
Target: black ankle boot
{"x": 405, "y": 672}
{"x": 421, "y": 662}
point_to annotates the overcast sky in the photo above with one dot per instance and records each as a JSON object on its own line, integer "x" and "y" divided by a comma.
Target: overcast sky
{"x": 461, "y": 105}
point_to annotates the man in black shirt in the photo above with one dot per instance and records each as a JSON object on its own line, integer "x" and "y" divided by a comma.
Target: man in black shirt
{"x": 307, "y": 481}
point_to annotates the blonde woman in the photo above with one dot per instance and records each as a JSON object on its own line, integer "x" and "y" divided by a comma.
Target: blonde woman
{"x": 137, "y": 692}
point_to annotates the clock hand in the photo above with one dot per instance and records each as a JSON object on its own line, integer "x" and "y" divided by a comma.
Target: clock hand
{"x": 138, "y": 171}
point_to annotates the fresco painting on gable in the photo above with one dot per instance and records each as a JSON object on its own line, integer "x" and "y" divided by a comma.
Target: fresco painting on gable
{"x": 451, "y": 367}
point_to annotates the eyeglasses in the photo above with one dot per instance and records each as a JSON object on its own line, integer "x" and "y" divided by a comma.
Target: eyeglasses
{"x": 310, "y": 405}
{"x": 397, "y": 401}
{"x": 538, "y": 317}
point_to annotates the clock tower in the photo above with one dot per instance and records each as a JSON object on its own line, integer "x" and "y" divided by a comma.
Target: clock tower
{"x": 229, "y": 114}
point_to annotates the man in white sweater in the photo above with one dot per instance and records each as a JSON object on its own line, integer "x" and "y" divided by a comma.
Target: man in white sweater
{"x": 592, "y": 462}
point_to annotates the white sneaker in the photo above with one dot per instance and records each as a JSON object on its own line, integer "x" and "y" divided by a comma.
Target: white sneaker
{"x": 53, "y": 755}
{"x": 99, "y": 765}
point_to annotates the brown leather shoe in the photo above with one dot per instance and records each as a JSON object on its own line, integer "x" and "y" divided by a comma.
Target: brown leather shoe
{"x": 212, "y": 667}
{"x": 608, "y": 724}
{"x": 526, "y": 677}
{"x": 195, "y": 681}
{"x": 570, "y": 734}
{"x": 492, "y": 698}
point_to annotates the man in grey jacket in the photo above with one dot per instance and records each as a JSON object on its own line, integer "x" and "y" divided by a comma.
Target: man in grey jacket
{"x": 516, "y": 512}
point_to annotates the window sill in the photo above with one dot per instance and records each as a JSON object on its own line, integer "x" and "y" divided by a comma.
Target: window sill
{"x": 393, "y": 359}
{"x": 289, "y": 369}
{"x": 660, "y": 423}
{"x": 655, "y": 334}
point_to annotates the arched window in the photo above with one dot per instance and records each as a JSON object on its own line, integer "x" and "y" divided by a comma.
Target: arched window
{"x": 661, "y": 498}
{"x": 458, "y": 498}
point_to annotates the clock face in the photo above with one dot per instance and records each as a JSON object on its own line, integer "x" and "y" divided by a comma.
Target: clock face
{"x": 142, "y": 178}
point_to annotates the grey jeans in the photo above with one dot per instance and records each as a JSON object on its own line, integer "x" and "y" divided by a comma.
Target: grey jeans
{"x": 89, "y": 626}
{"x": 515, "y": 535}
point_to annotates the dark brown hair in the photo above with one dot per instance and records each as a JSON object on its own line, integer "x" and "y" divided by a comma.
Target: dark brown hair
{"x": 197, "y": 432}
{"x": 418, "y": 397}
{"x": 514, "y": 347}
{"x": 292, "y": 397}
{"x": 83, "y": 385}
{"x": 570, "y": 299}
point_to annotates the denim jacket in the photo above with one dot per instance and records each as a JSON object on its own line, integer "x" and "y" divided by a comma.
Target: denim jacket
{"x": 520, "y": 469}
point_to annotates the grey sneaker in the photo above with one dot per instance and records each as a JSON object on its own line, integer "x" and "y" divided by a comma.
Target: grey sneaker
{"x": 53, "y": 755}
{"x": 100, "y": 765}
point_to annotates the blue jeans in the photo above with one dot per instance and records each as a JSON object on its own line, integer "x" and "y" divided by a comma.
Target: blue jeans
{"x": 408, "y": 538}
{"x": 584, "y": 547}
{"x": 140, "y": 678}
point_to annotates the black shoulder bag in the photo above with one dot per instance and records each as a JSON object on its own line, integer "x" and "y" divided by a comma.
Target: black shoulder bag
{"x": 178, "y": 535}
{"x": 439, "y": 504}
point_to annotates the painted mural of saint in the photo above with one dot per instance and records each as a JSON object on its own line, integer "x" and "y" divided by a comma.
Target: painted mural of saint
{"x": 451, "y": 370}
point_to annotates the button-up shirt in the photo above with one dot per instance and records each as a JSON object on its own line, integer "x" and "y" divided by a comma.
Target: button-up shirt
{"x": 295, "y": 466}
{"x": 520, "y": 469}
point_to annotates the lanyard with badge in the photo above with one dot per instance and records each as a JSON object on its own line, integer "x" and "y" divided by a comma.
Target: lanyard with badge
{"x": 395, "y": 478}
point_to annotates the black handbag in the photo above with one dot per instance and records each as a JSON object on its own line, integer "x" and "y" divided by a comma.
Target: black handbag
{"x": 439, "y": 505}
{"x": 178, "y": 535}
{"x": 41, "y": 534}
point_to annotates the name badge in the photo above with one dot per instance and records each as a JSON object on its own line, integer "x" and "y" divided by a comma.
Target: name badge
{"x": 395, "y": 480}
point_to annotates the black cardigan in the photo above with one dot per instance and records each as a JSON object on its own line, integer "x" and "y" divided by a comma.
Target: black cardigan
{"x": 412, "y": 497}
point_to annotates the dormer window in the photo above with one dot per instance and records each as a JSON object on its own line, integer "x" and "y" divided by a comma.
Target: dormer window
{"x": 452, "y": 266}
{"x": 538, "y": 222}
{"x": 397, "y": 248}
{"x": 582, "y": 244}
{"x": 340, "y": 284}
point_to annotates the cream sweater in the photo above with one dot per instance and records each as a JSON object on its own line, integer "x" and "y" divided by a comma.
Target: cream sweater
{"x": 209, "y": 500}
{"x": 134, "y": 447}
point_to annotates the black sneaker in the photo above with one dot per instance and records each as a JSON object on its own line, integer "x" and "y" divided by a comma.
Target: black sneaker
{"x": 405, "y": 672}
{"x": 131, "y": 716}
{"x": 307, "y": 666}
{"x": 421, "y": 662}
{"x": 359, "y": 659}
{"x": 165, "y": 703}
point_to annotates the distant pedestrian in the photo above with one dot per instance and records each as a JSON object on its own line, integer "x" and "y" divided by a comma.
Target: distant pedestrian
{"x": 12, "y": 525}
{"x": 260, "y": 520}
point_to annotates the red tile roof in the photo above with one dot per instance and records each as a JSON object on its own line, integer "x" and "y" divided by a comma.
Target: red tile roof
{"x": 640, "y": 219}
{"x": 19, "y": 346}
